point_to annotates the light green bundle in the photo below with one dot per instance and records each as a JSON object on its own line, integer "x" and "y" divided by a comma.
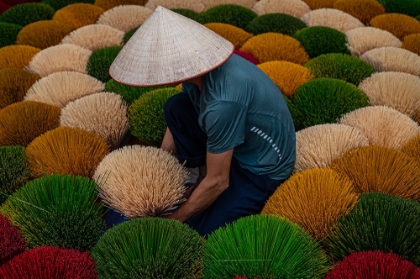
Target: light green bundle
{"x": 57, "y": 210}
{"x": 265, "y": 247}
{"x": 149, "y": 248}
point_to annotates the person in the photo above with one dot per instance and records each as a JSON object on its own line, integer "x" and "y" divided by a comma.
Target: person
{"x": 230, "y": 121}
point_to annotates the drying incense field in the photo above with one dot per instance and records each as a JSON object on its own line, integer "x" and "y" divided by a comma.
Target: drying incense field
{"x": 74, "y": 143}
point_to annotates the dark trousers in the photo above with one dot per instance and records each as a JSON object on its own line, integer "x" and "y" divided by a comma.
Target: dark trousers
{"x": 247, "y": 192}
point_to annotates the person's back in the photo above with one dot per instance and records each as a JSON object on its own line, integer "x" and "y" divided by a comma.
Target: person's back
{"x": 240, "y": 107}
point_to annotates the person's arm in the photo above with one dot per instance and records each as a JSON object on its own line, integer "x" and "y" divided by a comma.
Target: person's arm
{"x": 168, "y": 142}
{"x": 213, "y": 184}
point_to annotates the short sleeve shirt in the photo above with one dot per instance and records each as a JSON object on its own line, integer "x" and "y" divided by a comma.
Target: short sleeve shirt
{"x": 241, "y": 108}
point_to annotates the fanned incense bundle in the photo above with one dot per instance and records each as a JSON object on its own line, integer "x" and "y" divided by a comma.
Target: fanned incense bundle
{"x": 380, "y": 169}
{"x": 14, "y": 83}
{"x": 263, "y": 246}
{"x": 105, "y": 114}
{"x": 314, "y": 199}
{"x": 149, "y": 248}
{"x": 408, "y": 7}
{"x": 412, "y": 148}
{"x": 15, "y": 129}
{"x": 193, "y": 5}
{"x": 274, "y": 46}
{"x": 319, "y": 4}
{"x": 100, "y": 61}
{"x": 363, "y": 39}
{"x": 59, "y": 4}
{"x": 412, "y": 43}
{"x": 58, "y": 88}
{"x": 17, "y": 56}
{"x": 78, "y": 14}
{"x": 363, "y": 10}
{"x": 66, "y": 150}
{"x": 146, "y": 115}
{"x": 14, "y": 171}
{"x": 50, "y": 261}
{"x": 399, "y": 25}
{"x": 141, "y": 181}
{"x": 286, "y": 75}
{"x": 129, "y": 93}
{"x": 340, "y": 66}
{"x": 44, "y": 33}
{"x": 333, "y": 18}
{"x": 393, "y": 59}
{"x": 325, "y": 100}
{"x": 382, "y": 125}
{"x": 318, "y": 40}
{"x": 319, "y": 145}
{"x": 95, "y": 36}
{"x": 26, "y": 13}
{"x": 277, "y": 23}
{"x": 58, "y": 58}
{"x": 237, "y": 36}
{"x": 244, "y": 3}
{"x": 374, "y": 265}
{"x": 57, "y": 210}
{"x": 296, "y": 8}
{"x": 125, "y": 17}
{"x": 393, "y": 89}
{"x": 246, "y": 55}
{"x": 12, "y": 242}
{"x": 8, "y": 33}
{"x": 378, "y": 222}
{"x": 232, "y": 14}
{"x": 109, "y": 4}
{"x": 190, "y": 14}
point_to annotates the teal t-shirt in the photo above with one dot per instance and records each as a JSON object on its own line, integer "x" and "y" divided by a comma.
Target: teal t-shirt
{"x": 240, "y": 107}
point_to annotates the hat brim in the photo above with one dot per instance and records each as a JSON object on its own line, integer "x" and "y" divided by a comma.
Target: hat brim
{"x": 167, "y": 49}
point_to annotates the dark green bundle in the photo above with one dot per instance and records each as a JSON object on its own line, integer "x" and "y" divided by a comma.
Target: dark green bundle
{"x": 318, "y": 40}
{"x": 8, "y": 33}
{"x": 149, "y": 248}
{"x": 129, "y": 93}
{"x": 232, "y": 14}
{"x": 341, "y": 66}
{"x": 264, "y": 247}
{"x": 146, "y": 117}
{"x": 190, "y": 14}
{"x": 58, "y": 4}
{"x": 57, "y": 210}
{"x": 378, "y": 222}
{"x": 408, "y": 7}
{"x": 26, "y": 13}
{"x": 14, "y": 171}
{"x": 100, "y": 61}
{"x": 324, "y": 100}
{"x": 276, "y": 22}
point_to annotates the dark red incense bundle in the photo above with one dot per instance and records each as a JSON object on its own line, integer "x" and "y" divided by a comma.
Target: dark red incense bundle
{"x": 11, "y": 240}
{"x": 50, "y": 262}
{"x": 374, "y": 265}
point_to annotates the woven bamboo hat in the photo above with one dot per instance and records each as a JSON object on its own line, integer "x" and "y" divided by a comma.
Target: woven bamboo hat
{"x": 169, "y": 48}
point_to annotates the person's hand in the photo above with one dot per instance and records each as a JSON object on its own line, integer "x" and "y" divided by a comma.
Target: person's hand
{"x": 175, "y": 214}
{"x": 172, "y": 215}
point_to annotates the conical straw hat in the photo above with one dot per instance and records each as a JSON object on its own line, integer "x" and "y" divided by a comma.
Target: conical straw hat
{"x": 169, "y": 48}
